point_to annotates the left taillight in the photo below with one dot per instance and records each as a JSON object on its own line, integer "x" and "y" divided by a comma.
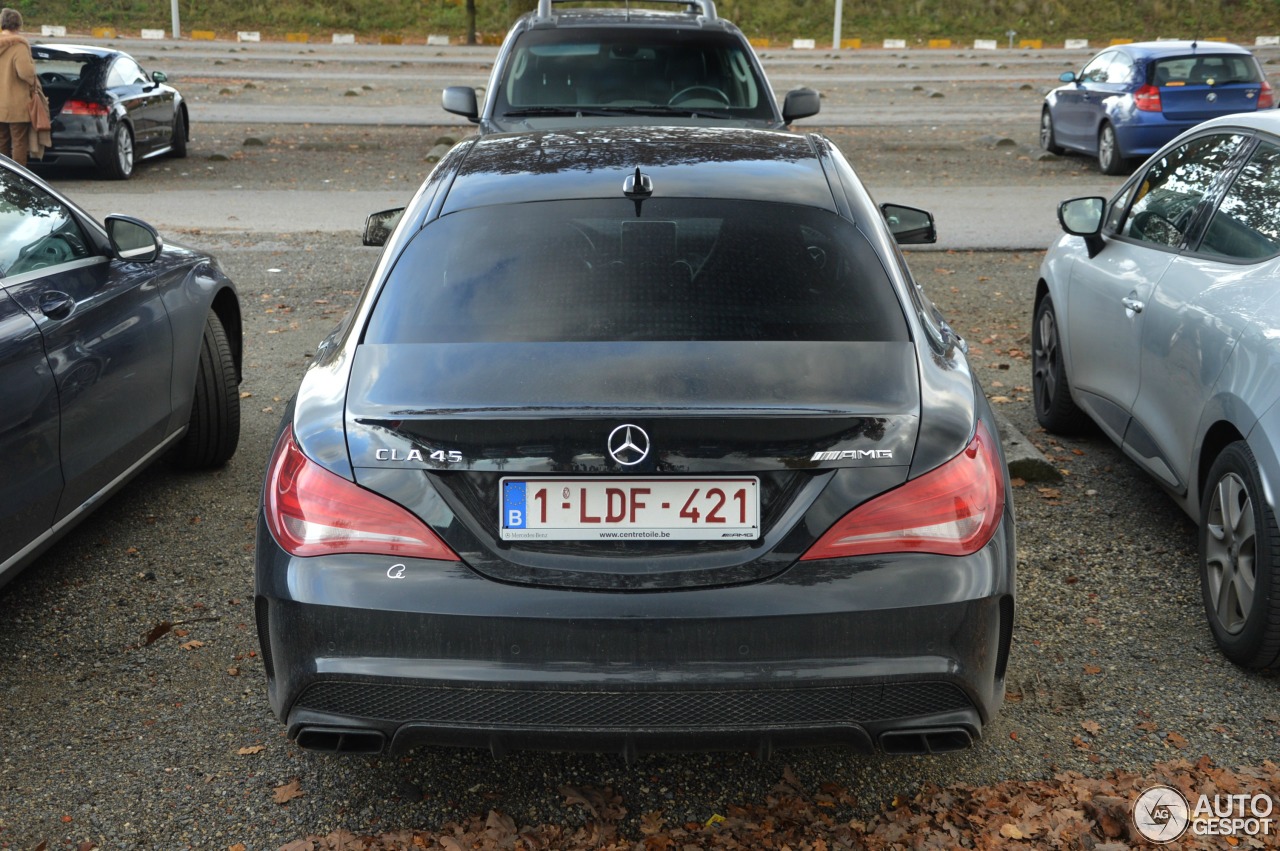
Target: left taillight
{"x": 1147, "y": 98}
{"x": 953, "y": 510}
{"x": 1266, "y": 96}
{"x": 311, "y": 511}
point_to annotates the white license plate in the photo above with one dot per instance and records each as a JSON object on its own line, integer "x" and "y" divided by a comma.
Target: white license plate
{"x": 630, "y": 509}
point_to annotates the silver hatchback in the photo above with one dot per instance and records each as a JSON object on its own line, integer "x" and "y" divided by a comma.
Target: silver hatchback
{"x": 1157, "y": 318}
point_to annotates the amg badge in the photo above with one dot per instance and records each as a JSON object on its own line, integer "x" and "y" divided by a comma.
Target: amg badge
{"x": 852, "y": 454}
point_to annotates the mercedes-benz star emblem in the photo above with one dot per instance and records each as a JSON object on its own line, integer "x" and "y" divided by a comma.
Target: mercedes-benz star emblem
{"x": 628, "y": 444}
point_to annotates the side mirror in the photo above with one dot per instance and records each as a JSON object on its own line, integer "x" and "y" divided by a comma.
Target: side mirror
{"x": 800, "y": 103}
{"x": 378, "y": 227}
{"x": 461, "y": 100}
{"x": 133, "y": 240}
{"x": 1083, "y": 217}
{"x": 1067, "y": 76}
{"x": 909, "y": 225}
{"x": 159, "y": 77}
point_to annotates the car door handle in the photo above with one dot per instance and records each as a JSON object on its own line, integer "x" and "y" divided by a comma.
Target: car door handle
{"x": 1132, "y": 304}
{"x": 56, "y": 304}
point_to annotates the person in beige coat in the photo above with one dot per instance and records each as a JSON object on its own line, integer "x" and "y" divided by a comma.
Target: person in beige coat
{"x": 17, "y": 78}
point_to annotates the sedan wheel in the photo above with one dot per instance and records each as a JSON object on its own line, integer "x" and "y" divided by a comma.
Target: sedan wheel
{"x": 1055, "y": 409}
{"x": 1240, "y": 561}
{"x": 1046, "y": 133}
{"x": 1109, "y": 159}
{"x": 213, "y": 430}
{"x": 120, "y": 162}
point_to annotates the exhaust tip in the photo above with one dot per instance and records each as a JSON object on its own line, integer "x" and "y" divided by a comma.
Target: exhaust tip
{"x": 342, "y": 740}
{"x": 925, "y": 740}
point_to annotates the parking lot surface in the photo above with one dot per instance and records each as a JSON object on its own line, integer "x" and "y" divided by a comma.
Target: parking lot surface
{"x": 133, "y": 696}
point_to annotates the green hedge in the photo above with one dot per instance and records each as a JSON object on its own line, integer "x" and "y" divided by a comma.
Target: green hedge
{"x": 871, "y": 20}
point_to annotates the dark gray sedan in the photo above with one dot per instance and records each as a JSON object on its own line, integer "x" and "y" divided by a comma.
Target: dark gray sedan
{"x": 641, "y": 438}
{"x": 115, "y": 349}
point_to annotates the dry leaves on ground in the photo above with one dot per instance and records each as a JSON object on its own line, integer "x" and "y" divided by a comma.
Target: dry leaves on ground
{"x": 1070, "y": 811}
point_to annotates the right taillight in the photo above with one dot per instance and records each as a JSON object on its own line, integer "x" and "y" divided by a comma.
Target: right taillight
{"x": 952, "y": 510}
{"x": 83, "y": 107}
{"x": 1147, "y": 98}
{"x": 311, "y": 511}
{"x": 1266, "y": 96}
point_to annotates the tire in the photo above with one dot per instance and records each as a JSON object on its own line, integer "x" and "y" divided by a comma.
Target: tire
{"x": 119, "y": 165}
{"x": 1046, "y": 133}
{"x": 1240, "y": 561}
{"x": 213, "y": 430}
{"x": 1055, "y": 409}
{"x": 178, "y": 142}
{"x": 1109, "y": 157}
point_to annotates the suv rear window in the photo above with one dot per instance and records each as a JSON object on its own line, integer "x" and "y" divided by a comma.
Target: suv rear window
{"x": 594, "y": 271}
{"x": 617, "y": 68}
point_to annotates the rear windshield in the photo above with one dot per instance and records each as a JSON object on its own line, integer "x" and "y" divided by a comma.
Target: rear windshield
{"x": 620, "y": 68}
{"x": 1205, "y": 71}
{"x": 594, "y": 271}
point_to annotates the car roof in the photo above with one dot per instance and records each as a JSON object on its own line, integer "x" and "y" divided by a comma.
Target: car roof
{"x": 1266, "y": 120}
{"x": 71, "y": 51}
{"x": 1161, "y": 49}
{"x": 685, "y": 162}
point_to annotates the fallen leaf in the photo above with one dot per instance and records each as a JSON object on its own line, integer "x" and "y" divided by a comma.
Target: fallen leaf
{"x": 1010, "y": 831}
{"x": 251, "y": 750}
{"x": 157, "y": 632}
{"x": 193, "y": 644}
{"x": 1176, "y": 740}
{"x": 1091, "y": 727}
{"x": 286, "y": 792}
{"x": 1092, "y": 669}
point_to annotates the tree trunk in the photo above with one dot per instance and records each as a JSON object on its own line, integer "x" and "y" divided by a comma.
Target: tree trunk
{"x": 471, "y": 21}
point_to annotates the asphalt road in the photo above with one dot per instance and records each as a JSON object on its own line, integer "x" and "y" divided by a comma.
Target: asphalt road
{"x": 107, "y": 739}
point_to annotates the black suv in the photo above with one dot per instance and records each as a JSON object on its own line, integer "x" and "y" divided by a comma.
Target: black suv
{"x": 588, "y": 66}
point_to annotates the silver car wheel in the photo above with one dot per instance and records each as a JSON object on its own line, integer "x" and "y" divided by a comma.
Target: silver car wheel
{"x": 1045, "y": 360}
{"x": 1231, "y": 573}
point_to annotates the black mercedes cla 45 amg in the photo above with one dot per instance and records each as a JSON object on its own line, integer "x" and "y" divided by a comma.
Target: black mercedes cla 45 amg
{"x": 638, "y": 440}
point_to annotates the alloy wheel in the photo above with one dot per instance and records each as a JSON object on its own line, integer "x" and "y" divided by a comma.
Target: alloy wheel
{"x": 1230, "y": 549}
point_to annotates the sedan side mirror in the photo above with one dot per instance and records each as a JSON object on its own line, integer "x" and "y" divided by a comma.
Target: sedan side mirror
{"x": 1067, "y": 76}
{"x": 133, "y": 240}
{"x": 461, "y": 100}
{"x": 800, "y": 103}
{"x": 159, "y": 77}
{"x": 378, "y": 227}
{"x": 909, "y": 225}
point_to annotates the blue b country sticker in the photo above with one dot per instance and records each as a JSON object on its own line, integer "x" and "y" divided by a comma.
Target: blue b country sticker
{"x": 513, "y": 496}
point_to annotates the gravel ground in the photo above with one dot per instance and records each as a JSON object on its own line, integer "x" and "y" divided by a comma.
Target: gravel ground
{"x": 168, "y": 745}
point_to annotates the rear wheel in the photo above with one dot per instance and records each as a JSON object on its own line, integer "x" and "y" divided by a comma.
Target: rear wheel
{"x": 213, "y": 430}
{"x": 178, "y": 143}
{"x": 1240, "y": 561}
{"x": 1109, "y": 158}
{"x": 120, "y": 158}
{"x": 1055, "y": 409}
{"x": 1046, "y": 133}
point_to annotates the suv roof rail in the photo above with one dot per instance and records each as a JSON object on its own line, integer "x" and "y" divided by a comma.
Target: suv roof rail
{"x": 706, "y": 7}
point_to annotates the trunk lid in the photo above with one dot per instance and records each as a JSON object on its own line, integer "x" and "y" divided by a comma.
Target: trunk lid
{"x": 464, "y": 417}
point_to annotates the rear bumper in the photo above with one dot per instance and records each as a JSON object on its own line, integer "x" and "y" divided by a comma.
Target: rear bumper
{"x": 902, "y": 653}
{"x": 79, "y": 140}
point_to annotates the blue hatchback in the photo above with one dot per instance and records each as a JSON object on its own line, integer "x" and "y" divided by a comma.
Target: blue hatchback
{"x": 1130, "y": 99}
